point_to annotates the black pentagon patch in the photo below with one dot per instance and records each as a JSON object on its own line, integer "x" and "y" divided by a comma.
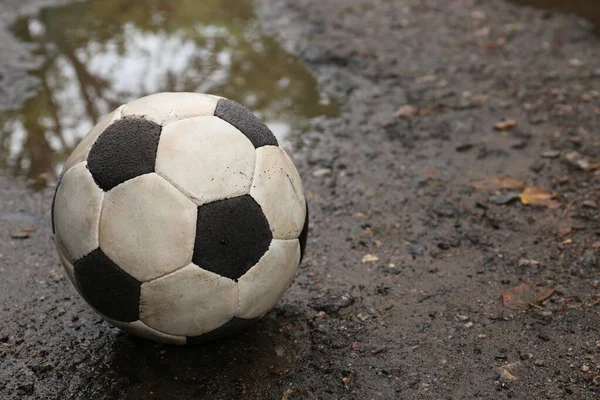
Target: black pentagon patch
{"x": 246, "y": 122}
{"x": 108, "y": 288}
{"x": 231, "y": 236}
{"x": 234, "y": 326}
{"x": 126, "y": 149}
{"x": 304, "y": 234}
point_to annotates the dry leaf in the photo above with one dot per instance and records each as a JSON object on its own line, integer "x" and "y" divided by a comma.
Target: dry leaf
{"x": 505, "y": 125}
{"x": 406, "y": 111}
{"x": 524, "y": 295}
{"x": 510, "y": 372}
{"x": 369, "y": 258}
{"x": 593, "y": 166}
{"x": 589, "y": 204}
{"x": 346, "y": 382}
{"x": 525, "y": 262}
{"x": 497, "y": 182}
{"x": 538, "y": 197}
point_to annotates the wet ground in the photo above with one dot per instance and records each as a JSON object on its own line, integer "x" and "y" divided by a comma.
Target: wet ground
{"x": 426, "y": 275}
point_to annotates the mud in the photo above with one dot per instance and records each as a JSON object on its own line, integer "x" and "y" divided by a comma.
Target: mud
{"x": 400, "y": 291}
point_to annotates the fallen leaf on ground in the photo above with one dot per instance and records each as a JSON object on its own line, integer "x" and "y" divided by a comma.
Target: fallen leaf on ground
{"x": 497, "y": 182}
{"x": 577, "y": 160}
{"x": 524, "y": 262}
{"x": 564, "y": 231}
{"x": 593, "y": 166}
{"x": 525, "y": 295}
{"x": 505, "y": 125}
{"x": 368, "y": 258}
{"x": 406, "y": 111}
{"x": 346, "y": 382}
{"x": 589, "y": 204}
{"x": 539, "y": 197}
{"x": 510, "y": 372}
{"x": 287, "y": 395}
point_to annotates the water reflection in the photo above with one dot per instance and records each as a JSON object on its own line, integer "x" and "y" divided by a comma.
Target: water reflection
{"x": 99, "y": 54}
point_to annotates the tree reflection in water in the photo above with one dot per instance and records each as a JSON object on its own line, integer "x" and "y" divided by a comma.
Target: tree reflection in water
{"x": 99, "y": 54}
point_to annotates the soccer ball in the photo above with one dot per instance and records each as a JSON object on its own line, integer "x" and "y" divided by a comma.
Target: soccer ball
{"x": 179, "y": 218}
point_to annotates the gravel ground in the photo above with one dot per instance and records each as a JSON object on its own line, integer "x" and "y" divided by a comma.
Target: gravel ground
{"x": 416, "y": 284}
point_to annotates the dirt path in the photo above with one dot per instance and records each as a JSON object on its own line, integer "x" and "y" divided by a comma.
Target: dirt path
{"x": 400, "y": 293}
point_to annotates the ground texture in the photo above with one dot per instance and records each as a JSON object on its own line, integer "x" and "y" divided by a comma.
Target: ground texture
{"x": 417, "y": 283}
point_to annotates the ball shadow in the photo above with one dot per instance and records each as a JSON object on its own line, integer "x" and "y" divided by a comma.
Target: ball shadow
{"x": 246, "y": 365}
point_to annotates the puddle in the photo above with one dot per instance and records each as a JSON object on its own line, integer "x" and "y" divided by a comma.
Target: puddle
{"x": 99, "y": 54}
{"x": 589, "y": 9}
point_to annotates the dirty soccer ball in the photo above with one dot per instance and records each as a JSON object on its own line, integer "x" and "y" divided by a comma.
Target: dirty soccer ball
{"x": 179, "y": 218}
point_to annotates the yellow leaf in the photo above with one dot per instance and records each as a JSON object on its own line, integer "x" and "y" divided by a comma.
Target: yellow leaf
{"x": 505, "y": 125}
{"x": 538, "y": 196}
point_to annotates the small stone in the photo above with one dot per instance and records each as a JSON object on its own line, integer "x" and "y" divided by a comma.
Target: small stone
{"x": 462, "y": 317}
{"x": 504, "y": 198}
{"x": 575, "y": 63}
{"x": 577, "y": 160}
{"x": 538, "y": 363}
{"x": 321, "y": 172}
{"x": 585, "y": 368}
{"x": 369, "y": 258}
{"x": 464, "y": 147}
{"x": 469, "y": 325}
{"x": 550, "y": 154}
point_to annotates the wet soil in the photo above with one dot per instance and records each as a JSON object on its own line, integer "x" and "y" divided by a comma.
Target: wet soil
{"x": 407, "y": 290}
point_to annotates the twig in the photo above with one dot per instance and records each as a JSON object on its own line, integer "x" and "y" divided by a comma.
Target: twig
{"x": 568, "y": 208}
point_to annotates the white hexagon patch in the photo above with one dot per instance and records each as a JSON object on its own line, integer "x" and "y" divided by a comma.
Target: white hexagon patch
{"x": 277, "y": 187}
{"x": 188, "y": 302}
{"x": 147, "y": 227}
{"x": 264, "y": 284}
{"x": 206, "y": 158}
{"x": 76, "y": 212}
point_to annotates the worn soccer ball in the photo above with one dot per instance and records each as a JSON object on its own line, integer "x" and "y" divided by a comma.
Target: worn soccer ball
{"x": 179, "y": 218}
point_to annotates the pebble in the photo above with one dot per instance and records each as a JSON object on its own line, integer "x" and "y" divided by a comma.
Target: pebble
{"x": 585, "y": 368}
{"x": 321, "y": 172}
{"x": 505, "y": 198}
{"x": 538, "y": 363}
{"x": 550, "y": 154}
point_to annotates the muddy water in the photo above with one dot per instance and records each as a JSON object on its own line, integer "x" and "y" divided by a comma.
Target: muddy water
{"x": 589, "y": 9}
{"x": 99, "y": 54}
